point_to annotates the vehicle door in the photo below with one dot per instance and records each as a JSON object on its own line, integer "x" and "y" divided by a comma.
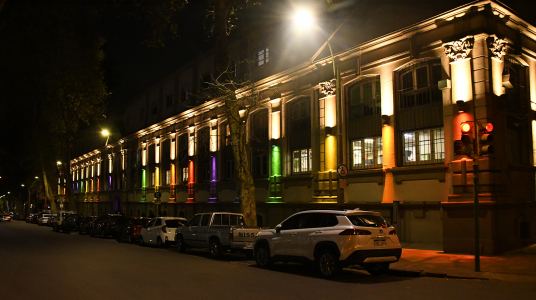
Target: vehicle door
{"x": 311, "y": 232}
{"x": 145, "y": 231}
{"x": 284, "y": 240}
{"x": 152, "y": 231}
{"x": 189, "y": 232}
{"x": 202, "y": 230}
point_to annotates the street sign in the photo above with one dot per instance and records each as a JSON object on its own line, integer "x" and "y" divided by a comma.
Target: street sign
{"x": 342, "y": 170}
{"x": 157, "y": 195}
{"x": 157, "y": 201}
{"x": 342, "y": 182}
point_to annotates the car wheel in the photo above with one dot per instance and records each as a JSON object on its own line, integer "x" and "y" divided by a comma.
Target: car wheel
{"x": 142, "y": 243}
{"x": 377, "y": 269}
{"x": 328, "y": 264}
{"x": 262, "y": 256}
{"x": 159, "y": 243}
{"x": 216, "y": 250}
{"x": 181, "y": 246}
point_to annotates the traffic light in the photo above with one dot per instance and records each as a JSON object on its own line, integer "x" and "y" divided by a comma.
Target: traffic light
{"x": 485, "y": 139}
{"x": 465, "y": 144}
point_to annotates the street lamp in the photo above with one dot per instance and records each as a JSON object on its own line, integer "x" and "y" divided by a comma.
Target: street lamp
{"x": 304, "y": 18}
{"x": 107, "y": 134}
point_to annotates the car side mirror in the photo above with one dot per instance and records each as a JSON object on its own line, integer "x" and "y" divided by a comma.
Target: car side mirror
{"x": 278, "y": 228}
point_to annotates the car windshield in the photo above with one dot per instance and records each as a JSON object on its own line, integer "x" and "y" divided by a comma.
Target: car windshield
{"x": 173, "y": 223}
{"x": 368, "y": 221}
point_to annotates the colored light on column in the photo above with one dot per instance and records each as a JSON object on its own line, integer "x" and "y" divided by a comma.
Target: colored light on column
{"x": 98, "y": 184}
{"x": 191, "y": 144}
{"x": 214, "y": 170}
{"x": 331, "y": 153}
{"x": 173, "y": 182}
{"x": 110, "y": 182}
{"x": 276, "y": 161}
{"x": 157, "y": 177}
{"x": 172, "y": 152}
{"x": 191, "y": 172}
{"x": 462, "y": 86}
{"x": 143, "y": 178}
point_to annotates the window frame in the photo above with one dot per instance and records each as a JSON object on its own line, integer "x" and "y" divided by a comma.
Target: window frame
{"x": 418, "y": 145}
{"x": 297, "y": 169}
{"x": 377, "y": 151}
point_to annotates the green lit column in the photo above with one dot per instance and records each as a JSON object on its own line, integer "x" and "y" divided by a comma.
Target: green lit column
{"x": 275, "y": 176}
{"x": 143, "y": 185}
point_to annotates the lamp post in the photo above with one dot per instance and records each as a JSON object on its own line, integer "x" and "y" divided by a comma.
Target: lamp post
{"x": 107, "y": 134}
{"x": 304, "y": 18}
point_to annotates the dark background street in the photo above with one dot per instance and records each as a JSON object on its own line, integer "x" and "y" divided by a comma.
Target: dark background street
{"x": 37, "y": 263}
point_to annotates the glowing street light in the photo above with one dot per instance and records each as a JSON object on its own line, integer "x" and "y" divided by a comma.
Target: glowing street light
{"x": 107, "y": 134}
{"x": 303, "y": 19}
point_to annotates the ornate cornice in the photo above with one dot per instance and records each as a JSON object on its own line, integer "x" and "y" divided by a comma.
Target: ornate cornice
{"x": 328, "y": 88}
{"x": 497, "y": 47}
{"x": 460, "y": 49}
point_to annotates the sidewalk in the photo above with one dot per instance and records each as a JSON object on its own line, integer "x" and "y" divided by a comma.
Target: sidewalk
{"x": 425, "y": 260}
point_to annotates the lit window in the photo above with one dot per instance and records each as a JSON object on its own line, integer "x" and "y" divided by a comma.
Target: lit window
{"x": 184, "y": 175}
{"x": 262, "y": 57}
{"x": 423, "y": 147}
{"x": 168, "y": 177}
{"x": 367, "y": 153}
{"x": 302, "y": 161}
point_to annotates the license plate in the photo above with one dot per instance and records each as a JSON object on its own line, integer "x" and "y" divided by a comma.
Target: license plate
{"x": 379, "y": 243}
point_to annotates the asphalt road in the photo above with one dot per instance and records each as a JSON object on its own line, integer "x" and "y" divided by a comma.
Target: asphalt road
{"x": 37, "y": 263}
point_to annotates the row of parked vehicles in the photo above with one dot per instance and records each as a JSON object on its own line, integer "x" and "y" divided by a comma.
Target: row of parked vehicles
{"x": 329, "y": 239}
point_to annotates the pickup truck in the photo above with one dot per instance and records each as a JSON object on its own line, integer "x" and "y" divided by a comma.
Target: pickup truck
{"x": 218, "y": 232}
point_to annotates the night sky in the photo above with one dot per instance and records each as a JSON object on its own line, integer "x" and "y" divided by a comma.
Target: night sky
{"x": 131, "y": 66}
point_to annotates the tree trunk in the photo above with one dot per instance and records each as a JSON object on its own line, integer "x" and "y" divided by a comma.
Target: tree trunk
{"x": 237, "y": 125}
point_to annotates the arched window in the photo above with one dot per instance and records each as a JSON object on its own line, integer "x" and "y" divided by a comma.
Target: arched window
{"x": 419, "y": 109}
{"x": 364, "y": 126}
{"x": 299, "y": 141}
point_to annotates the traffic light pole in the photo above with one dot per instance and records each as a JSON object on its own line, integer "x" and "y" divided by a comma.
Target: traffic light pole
{"x": 477, "y": 223}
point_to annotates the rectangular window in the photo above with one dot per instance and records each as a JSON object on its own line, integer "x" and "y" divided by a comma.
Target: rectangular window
{"x": 367, "y": 153}
{"x": 260, "y": 165}
{"x": 262, "y": 57}
{"x": 168, "y": 177}
{"x": 423, "y": 147}
{"x": 302, "y": 161}
{"x": 153, "y": 178}
{"x": 184, "y": 177}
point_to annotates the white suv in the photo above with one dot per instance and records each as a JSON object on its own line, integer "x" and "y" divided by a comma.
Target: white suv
{"x": 160, "y": 231}
{"x": 332, "y": 239}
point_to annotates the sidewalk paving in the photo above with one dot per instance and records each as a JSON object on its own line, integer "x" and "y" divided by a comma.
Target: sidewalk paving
{"x": 425, "y": 260}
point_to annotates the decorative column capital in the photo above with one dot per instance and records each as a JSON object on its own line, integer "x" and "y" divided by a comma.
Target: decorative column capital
{"x": 328, "y": 88}
{"x": 460, "y": 49}
{"x": 497, "y": 47}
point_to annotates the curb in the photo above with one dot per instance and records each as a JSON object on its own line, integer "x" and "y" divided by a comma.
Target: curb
{"x": 422, "y": 273}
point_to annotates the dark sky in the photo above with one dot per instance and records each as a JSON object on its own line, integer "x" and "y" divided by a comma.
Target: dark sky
{"x": 131, "y": 66}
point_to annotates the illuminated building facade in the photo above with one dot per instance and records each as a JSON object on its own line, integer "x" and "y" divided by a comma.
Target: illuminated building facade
{"x": 405, "y": 96}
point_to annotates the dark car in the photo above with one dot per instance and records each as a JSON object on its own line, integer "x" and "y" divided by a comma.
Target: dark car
{"x": 130, "y": 231}
{"x": 71, "y": 223}
{"x": 85, "y": 224}
{"x": 104, "y": 225}
{"x": 34, "y": 219}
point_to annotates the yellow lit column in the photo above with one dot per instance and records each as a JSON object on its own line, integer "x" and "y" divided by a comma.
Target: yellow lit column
{"x": 388, "y": 133}
{"x": 330, "y": 121}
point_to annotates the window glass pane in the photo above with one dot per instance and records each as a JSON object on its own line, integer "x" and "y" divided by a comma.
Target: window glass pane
{"x": 367, "y": 91}
{"x": 217, "y": 220}
{"x": 310, "y": 167}
{"x": 356, "y": 146}
{"x": 409, "y": 147}
{"x": 407, "y": 81}
{"x": 266, "y": 59}
{"x": 304, "y": 160}
{"x": 379, "y": 152}
{"x": 422, "y": 77}
{"x": 439, "y": 144}
{"x": 205, "y": 220}
{"x": 225, "y": 219}
{"x": 369, "y": 152}
{"x": 296, "y": 161}
{"x": 425, "y": 149}
{"x": 234, "y": 220}
{"x": 356, "y": 95}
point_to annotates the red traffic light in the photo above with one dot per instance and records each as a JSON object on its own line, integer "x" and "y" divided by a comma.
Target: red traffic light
{"x": 466, "y": 127}
{"x": 489, "y": 127}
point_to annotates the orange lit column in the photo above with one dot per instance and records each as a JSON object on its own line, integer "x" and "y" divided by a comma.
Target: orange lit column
{"x": 191, "y": 183}
{"x": 388, "y": 133}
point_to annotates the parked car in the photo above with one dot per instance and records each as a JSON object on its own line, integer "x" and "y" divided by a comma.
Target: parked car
{"x": 218, "y": 232}
{"x": 132, "y": 229}
{"x": 331, "y": 239}
{"x": 160, "y": 231}
{"x": 51, "y": 219}
{"x": 103, "y": 225}
{"x": 71, "y": 223}
{"x": 58, "y": 219}
{"x": 34, "y": 219}
{"x": 6, "y": 218}
{"x": 85, "y": 224}
{"x": 42, "y": 218}
{"x": 127, "y": 230}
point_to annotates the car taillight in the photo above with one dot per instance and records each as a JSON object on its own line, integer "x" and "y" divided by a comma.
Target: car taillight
{"x": 392, "y": 231}
{"x": 355, "y": 232}
{"x": 231, "y": 235}
{"x": 164, "y": 229}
